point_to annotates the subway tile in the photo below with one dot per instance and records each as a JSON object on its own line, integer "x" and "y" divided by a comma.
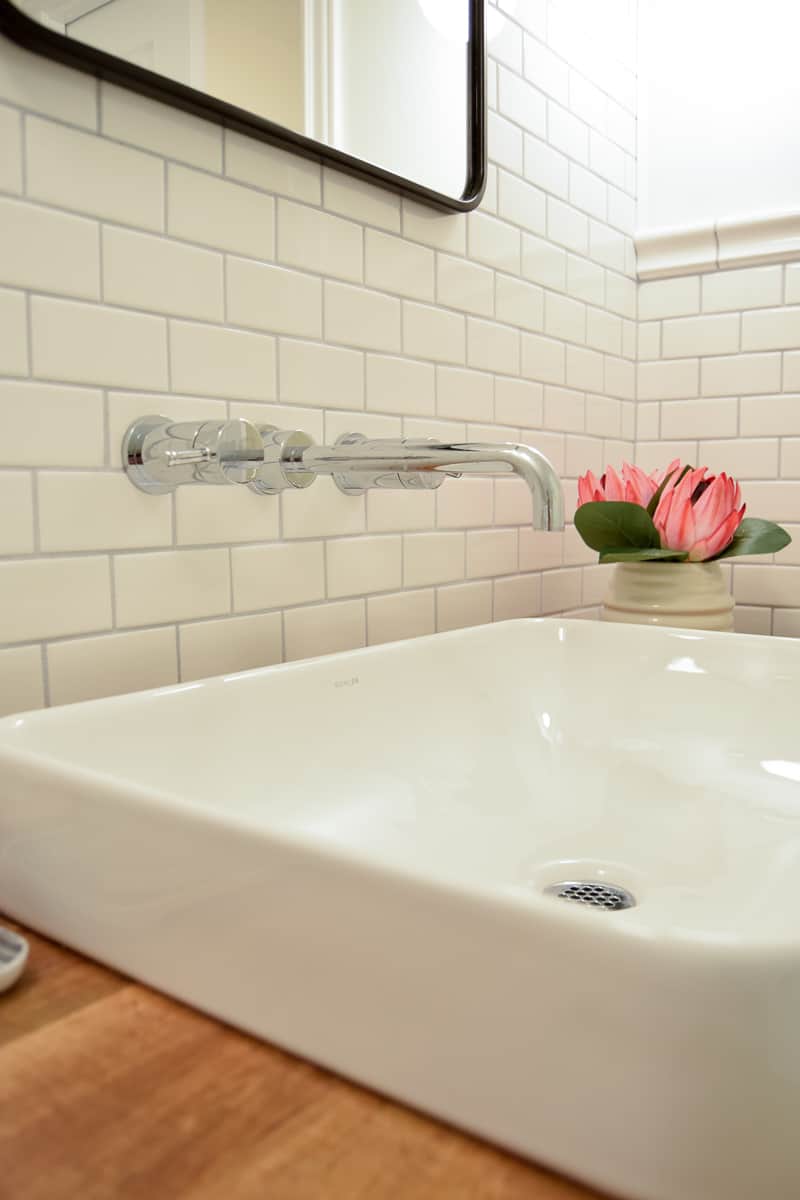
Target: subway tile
{"x": 271, "y": 168}
{"x": 544, "y": 263}
{"x": 740, "y": 374}
{"x": 276, "y": 575}
{"x": 157, "y": 274}
{"x": 465, "y": 285}
{"x": 766, "y": 584}
{"x": 546, "y": 70}
{"x": 543, "y": 359}
{"x": 771, "y": 329}
{"x": 567, "y": 226}
{"x": 669, "y": 298}
{"x": 318, "y": 241}
{"x": 395, "y": 511}
{"x": 13, "y": 333}
{"x": 464, "y": 605}
{"x": 603, "y": 331}
{"x": 744, "y": 458}
{"x": 324, "y": 376}
{"x": 567, "y": 132}
{"x": 512, "y": 502}
{"x": 750, "y": 619}
{"x": 595, "y": 583}
{"x": 54, "y": 597}
{"x": 564, "y": 409}
{"x": 464, "y": 395}
{"x": 654, "y": 456}
{"x": 129, "y": 116}
{"x": 587, "y": 101}
{"x": 790, "y": 458}
{"x": 429, "y": 332}
{"x": 792, "y": 291}
{"x": 584, "y": 369}
{"x": 86, "y": 343}
{"x": 538, "y": 550}
{"x": 16, "y": 503}
{"x": 45, "y": 425}
{"x": 432, "y": 558}
{"x": 284, "y": 416}
{"x": 222, "y": 362}
{"x": 519, "y": 402}
{"x": 358, "y": 317}
{"x": 48, "y": 251}
{"x": 99, "y": 510}
{"x": 603, "y": 416}
{"x": 620, "y": 377}
{"x": 495, "y": 243}
{"x": 522, "y": 103}
{"x": 521, "y": 203}
{"x": 519, "y": 303}
{"x": 325, "y": 629}
{"x": 211, "y": 515}
{"x": 588, "y": 192}
{"x": 10, "y": 150}
{"x": 43, "y": 85}
{"x": 321, "y": 510}
{"x": 400, "y": 385}
{"x": 88, "y": 668}
{"x": 361, "y": 201}
{"x": 669, "y": 380}
{"x": 693, "y": 336}
{"x": 364, "y": 564}
{"x": 444, "y": 231}
{"x": 401, "y": 615}
{"x": 219, "y": 213}
{"x": 546, "y": 167}
{"x": 585, "y": 280}
{"x": 648, "y": 340}
{"x": 505, "y": 143}
{"x": 607, "y": 160}
{"x": 464, "y": 503}
{"x": 92, "y": 175}
{"x": 517, "y": 596}
{"x": 791, "y": 371}
{"x": 23, "y": 683}
{"x": 277, "y": 300}
{"x": 395, "y": 265}
{"x": 230, "y": 644}
{"x": 773, "y": 500}
{"x": 699, "y": 418}
{"x": 608, "y": 247}
{"x": 752, "y": 287}
{"x": 621, "y": 295}
{"x": 561, "y": 590}
{"x": 171, "y": 585}
{"x": 565, "y": 318}
{"x": 764, "y": 415}
{"x": 491, "y": 552}
{"x": 492, "y": 347}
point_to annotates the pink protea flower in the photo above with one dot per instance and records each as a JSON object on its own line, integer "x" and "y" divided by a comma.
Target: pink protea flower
{"x": 699, "y": 515}
{"x": 635, "y": 486}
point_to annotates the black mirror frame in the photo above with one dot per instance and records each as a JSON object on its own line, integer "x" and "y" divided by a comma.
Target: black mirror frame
{"x": 33, "y": 36}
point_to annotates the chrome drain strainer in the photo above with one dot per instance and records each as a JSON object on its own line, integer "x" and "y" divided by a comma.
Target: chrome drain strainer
{"x": 593, "y": 894}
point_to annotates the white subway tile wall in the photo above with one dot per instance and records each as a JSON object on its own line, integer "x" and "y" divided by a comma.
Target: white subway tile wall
{"x": 152, "y": 262}
{"x": 717, "y": 386}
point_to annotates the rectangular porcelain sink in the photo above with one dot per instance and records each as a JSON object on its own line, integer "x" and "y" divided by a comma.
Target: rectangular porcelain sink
{"x": 349, "y": 857}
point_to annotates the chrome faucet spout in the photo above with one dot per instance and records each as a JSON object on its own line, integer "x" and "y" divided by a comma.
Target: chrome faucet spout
{"x": 357, "y": 463}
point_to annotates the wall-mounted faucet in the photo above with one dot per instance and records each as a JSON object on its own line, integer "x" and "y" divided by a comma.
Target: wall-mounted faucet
{"x": 160, "y": 455}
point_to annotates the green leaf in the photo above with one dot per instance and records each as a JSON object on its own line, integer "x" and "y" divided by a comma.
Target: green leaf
{"x": 651, "y": 554}
{"x": 616, "y": 525}
{"x": 653, "y": 505}
{"x": 755, "y": 536}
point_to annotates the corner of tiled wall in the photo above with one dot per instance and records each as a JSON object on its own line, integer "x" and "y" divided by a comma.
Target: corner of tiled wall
{"x": 151, "y": 263}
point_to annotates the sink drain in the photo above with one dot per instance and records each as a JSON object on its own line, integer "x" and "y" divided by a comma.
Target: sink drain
{"x": 594, "y": 895}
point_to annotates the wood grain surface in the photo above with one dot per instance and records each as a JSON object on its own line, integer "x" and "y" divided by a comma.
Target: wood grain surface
{"x": 110, "y": 1091}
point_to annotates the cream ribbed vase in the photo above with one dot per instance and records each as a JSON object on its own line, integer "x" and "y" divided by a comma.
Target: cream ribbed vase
{"x": 687, "y": 595}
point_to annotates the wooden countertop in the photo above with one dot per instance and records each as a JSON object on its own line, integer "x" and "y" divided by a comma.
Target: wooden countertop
{"x": 110, "y": 1091}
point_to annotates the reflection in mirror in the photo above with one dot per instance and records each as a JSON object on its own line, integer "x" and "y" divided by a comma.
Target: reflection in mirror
{"x": 386, "y": 81}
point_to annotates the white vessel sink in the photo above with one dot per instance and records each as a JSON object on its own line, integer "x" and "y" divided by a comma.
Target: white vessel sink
{"x": 349, "y": 857}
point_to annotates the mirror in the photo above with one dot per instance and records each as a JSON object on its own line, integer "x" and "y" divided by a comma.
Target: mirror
{"x": 388, "y": 89}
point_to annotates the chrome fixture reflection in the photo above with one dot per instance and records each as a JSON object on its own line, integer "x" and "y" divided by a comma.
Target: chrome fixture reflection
{"x": 160, "y": 454}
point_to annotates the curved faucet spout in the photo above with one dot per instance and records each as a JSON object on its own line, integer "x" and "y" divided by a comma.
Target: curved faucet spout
{"x": 357, "y": 463}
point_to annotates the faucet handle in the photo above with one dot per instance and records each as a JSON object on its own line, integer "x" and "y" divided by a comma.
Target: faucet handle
{"x": 159, "y": 454}
{"x": 282, "y": 461}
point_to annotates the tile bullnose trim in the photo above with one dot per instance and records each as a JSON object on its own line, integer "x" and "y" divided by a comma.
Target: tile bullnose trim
{"x": 727, "y": 243}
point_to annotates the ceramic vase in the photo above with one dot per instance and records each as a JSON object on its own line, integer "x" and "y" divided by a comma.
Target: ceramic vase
{"x": 686, "y": 595}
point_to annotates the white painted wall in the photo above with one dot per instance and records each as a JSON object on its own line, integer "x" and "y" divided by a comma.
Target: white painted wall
{"x": 719, "y": 93}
